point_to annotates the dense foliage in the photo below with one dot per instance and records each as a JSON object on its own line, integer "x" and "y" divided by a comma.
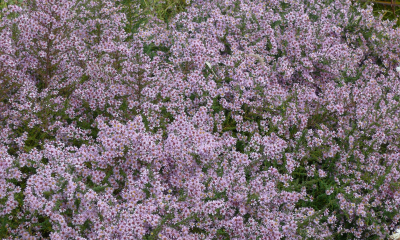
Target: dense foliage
{"x": 230, "y": 120}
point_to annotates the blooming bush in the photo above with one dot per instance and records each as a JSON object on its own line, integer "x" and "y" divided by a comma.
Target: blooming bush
{"x": 237, "y": 119}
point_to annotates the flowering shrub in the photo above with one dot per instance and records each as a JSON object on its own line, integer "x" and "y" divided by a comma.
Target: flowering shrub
{"x": 237, "y": 119}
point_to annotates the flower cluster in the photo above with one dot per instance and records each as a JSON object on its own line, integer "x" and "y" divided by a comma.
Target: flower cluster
{"x": 237, "y": 119}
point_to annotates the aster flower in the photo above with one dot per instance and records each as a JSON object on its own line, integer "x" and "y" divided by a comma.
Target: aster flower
{"x": 396, "y": 235}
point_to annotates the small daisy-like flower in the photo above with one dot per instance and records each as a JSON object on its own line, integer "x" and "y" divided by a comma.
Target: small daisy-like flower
{"x": 398, "y": 69}
{"x": 396, "y": 235}
{"x": 331, "y": 219}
